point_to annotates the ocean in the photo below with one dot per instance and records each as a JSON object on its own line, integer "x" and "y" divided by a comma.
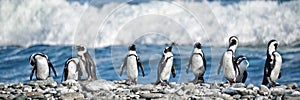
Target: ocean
{"x": 107, "y": 28}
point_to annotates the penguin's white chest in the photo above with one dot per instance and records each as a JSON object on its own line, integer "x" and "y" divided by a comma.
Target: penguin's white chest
{"x": 42, "y": 68}
{"x": 166, "y": 70}
{"x": 131, "y": 69}
{"x": 229, "y": 71}
{"x": 197, "y": 64}
{"x": 277, "y": 67}
{"x": 72, "y": 74}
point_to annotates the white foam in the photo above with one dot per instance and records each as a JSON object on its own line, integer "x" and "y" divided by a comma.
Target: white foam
{"x": 155, "y": 22}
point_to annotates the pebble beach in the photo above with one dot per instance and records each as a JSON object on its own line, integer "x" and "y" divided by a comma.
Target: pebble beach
{"x": 102, "y": 89}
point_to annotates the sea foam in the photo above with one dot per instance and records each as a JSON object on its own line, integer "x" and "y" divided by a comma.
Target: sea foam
{"x": 155, "y": 22}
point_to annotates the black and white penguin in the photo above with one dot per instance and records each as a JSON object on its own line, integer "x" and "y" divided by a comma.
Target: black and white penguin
{"x": 243, "y": 64}
{"x": 71, "y": 69}
{"x": 132, "y": 62}
{"x": 165, "y": 66}
{"x": 198, "y": 62}
{"x": 272, "y": 70}
{"x": 41, "y": 66}
{"x": 231, "y": 70}
{"x": 87, "y": 65}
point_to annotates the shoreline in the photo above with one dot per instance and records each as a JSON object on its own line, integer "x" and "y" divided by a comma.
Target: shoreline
{"x": 102, "y": 89}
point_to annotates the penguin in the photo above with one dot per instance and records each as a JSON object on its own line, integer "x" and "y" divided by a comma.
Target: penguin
{"x": 243, "y": 64}
{"x": 132, "y": 62}
{"x": 72, "y": 69}
{"x": 273, "y": 60}
{"x": 87, "y": 65}
{"x": 231, "y": 69}
{"x": 165, "y": 66}
{"x": 41, "y": 66}
{"x": 198, "y": 62}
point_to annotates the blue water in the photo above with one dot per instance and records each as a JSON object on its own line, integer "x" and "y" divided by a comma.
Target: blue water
{"x": 15, "y": 67}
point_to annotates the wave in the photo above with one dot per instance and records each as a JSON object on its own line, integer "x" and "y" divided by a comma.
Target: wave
{"x": 154, "y": 22}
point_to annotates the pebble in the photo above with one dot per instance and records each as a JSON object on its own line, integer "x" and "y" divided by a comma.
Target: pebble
{"x": 102, "y": 89}
{"x": 264, "y": 90}
{"x": 151, "y": 95}
{"x": 292, "y": 85}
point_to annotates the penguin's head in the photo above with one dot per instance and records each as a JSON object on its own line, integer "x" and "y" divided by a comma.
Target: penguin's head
{"x": 132, "y": 47}
{"x": 240, "y": 59}
{"x": 197, "y": 45}
{"x": 272, "y": 45}
{"x": 233, "y": 40}
{"x": 168, "y": 49}
{"x": 81, "y": 48}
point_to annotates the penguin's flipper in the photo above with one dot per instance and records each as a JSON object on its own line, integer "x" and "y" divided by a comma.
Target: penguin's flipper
{"x": 204, "y": 60}
{"x": 123, "y": 65}
{"x": 189, "y": 64}
{"x": 245, "y": 76}
{"x": 140, "y": 65}
{"x": 32, "y": 72}
{"x": 173, "y": 70}
{"x": 279, "y": 76}
{"x": 51, "y": 66}
{"x": 220, "y": 64}
{"x": 92, "y": 66}
{"x": 65, "y": 72}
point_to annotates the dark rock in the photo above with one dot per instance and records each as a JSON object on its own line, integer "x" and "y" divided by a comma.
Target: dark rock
{"x": 292, "y": 85}
{"x": 151, "y": 95}
{"x": 249, "y": 97}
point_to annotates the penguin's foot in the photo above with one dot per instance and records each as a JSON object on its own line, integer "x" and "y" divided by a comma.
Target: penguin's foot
{"x": 198, "y": 81}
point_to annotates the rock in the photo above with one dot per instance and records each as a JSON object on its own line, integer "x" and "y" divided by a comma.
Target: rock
{"x": 4, "y": 96}
{"x": 292, "y": 85}
{"x": 180, "y": 92}
{"x": 291, "y": 97}
{"x": 134, "y": 96}
{"x": 99, "y": 85}
{"x": 148, "y": 87}
{"x": 121, "y": 91}
{"x": 264, "y": 90}
{"x": 20, "y": 97}
{"x": 214, "y": 86}
{"x": 277, "y": 91}
{"x": 250, "y": 86}
{"x": 120, "y": 82}
{"x": 233, "y": 91}
{"x": 188, "y": 86}
{"x": 35, "y": 95}
{"x": 237, "y": 96}
{"x": 249, "y": 97}
{"x": 261, "y": 98}
{"x": 238, "y": 85}
{"x": 27, "y": 89}
{"x": 226, "y": 97}
{"x": 226, "y": 85}
{"x": 151, "y": 95}
{"x": 72, "y": 96}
